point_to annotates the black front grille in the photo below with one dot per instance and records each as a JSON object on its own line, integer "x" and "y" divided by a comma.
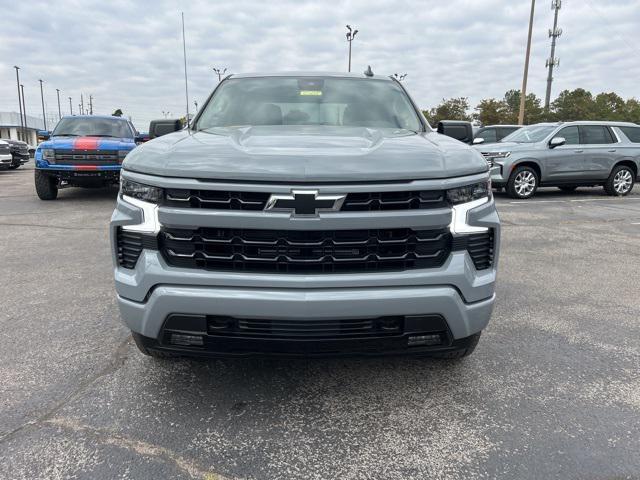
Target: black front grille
{"x": 217, "y": 199}
{"x": 99, "y": 157}
{"x": 304, "y": 328}
{"x": 355, "y": 202}
{"x": 292, "y": 251}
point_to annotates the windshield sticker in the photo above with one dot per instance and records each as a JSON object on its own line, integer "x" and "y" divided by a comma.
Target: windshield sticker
{"x": 312, "y": 93}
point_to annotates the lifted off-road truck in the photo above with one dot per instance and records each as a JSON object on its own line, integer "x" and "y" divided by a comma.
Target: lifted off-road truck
{"x": 82, "y": 151}
{"x": 306, "y": 214}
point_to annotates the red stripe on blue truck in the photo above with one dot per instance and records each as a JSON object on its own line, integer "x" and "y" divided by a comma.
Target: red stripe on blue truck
{"x": 86, "y": 143}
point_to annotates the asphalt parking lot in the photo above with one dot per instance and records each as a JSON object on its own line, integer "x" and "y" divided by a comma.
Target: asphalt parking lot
{"x": 553, "y": 390}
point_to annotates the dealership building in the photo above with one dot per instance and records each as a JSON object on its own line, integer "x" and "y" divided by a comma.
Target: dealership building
{"x": 10, "y": 127}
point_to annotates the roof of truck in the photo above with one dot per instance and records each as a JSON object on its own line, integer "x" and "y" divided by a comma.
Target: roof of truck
{"x": 308, "y": 74}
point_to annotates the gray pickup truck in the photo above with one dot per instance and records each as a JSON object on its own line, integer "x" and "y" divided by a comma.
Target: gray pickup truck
{"x": 305, "y": 214}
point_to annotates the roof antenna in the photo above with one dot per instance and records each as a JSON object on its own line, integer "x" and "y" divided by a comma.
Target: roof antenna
{"x": 368, "y": 72}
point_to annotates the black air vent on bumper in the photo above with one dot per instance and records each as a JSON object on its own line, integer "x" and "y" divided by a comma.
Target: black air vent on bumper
{"x": 130, "y": 246}
{"x": 480, "y": 247}
{"x": 292, "y": 251}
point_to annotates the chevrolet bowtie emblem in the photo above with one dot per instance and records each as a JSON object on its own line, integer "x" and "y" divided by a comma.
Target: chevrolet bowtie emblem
{"x": 305, "y": 202}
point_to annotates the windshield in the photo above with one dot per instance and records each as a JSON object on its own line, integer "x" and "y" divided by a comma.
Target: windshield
{"x": 330, "y": 101}
{"x": 531, "y": 134}
{"x": 92, "y": 127}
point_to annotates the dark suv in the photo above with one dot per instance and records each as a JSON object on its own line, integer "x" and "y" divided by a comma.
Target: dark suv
{"x": 19, "y": 152}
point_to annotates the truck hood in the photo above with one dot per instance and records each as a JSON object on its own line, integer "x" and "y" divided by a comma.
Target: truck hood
{"x": 88, "y": 143}
{"x": 305, "y": 154}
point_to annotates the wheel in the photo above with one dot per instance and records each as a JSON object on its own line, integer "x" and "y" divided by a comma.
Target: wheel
{"x": 522, "y": 183}
{"x": 141, "y": 341}
{"x": 13, "y": 167}
{"x": 470, "y": 344}
{"x": 568, "y": 188}
{"x": 46, "y": 186}
{"x": 620, "y": 182}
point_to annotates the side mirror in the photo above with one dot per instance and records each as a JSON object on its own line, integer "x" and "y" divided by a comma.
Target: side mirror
{"x": 478, "y": 141}
{"x": 45, "y": 136}
{"x": 157, "y": 128}
{"x": 141, "y": 138}
{"x": 557, "y": 142}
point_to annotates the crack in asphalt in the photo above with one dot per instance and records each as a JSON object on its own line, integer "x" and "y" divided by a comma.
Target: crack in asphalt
{"x": 50, "y": 226}
{"x": 119, "y": 357}
{"x": 138, "y": 446}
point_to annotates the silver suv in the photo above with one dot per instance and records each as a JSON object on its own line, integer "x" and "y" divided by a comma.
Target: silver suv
{"x": 566, "y": 155}
{"x": 306, "y": 214}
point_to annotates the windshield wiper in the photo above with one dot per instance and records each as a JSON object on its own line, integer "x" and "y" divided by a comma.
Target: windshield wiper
{"x": 65, "y": 135}
{"x": 112, "y": 136}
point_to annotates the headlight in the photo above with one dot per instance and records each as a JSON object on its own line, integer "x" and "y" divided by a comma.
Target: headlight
{"x": 48, "y": 154}
{"x": 469, "y": 193}
{"x": 140, "y": 191}
{"x": 496, "y": 155}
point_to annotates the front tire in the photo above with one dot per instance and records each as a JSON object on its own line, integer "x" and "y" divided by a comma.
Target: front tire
{"x": 46, "y": 186}
{"x": 523, "y": 183}
{"x": 620, "y": 182}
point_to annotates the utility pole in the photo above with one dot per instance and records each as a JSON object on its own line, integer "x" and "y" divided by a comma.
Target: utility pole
{"x": 552, "y": 61}
{"x": 44, "y": 116}
{"x": 523, "y": 92}
{"x": 351, "y": 34}
{"x": 70, "y": 107}
{"x": 90, "y": 104}
{"x": 59, "y": 110}
{"x": 186, "y": 83}
{"x": 219, "y": 73}
{"x": 24, "y": 110}
{"x": 19, "y": 102}
{"x": 81, "y": 105}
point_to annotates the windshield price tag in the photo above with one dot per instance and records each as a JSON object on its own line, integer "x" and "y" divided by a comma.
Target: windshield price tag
{"x": 312, "y": 93}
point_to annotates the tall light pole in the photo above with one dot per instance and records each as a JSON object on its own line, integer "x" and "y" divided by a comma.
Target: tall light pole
{"x": 19, "y": 102}
{"x": 24, "y": 110}
{"x": 81, "y": 105}
{"x": 219, "y": 73}
{"x": 90, "y": 104}
{"x": 523, "y": 92}
{"x": 59, "y": 110}
{"x": 186, "y": 83}
{"x": 44, "y": 117}
{"x": 351, "y": 34}
{"x": 552, "y": 61}
{"x": 70, "y": 107}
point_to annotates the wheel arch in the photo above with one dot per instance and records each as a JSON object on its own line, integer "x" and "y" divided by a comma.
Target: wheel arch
{"x": 528, "y": 162}
{"x": 627, "y": 162}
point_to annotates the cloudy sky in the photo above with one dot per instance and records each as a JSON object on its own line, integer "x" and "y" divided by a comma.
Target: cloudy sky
{"x": 128, "y": 54}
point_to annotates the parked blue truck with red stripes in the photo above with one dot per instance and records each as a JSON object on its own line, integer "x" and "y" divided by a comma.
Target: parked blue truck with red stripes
{"x": 83, "y": 151}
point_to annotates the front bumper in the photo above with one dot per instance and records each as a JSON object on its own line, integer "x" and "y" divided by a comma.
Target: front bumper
{"x": 6, "y": 161}
{"x": 152, "y": 291}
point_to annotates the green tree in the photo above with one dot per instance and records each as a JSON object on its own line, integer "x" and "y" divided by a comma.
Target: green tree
{"x": 610, "y": 106}
{"x": 533, "y": 111}
{"x": 573, "y": 105}
{"x": 451, "y": 109}
{"x": 117, "y": 113}
{"x": 632, "y": 109}
{"x": 490, "y": 111}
